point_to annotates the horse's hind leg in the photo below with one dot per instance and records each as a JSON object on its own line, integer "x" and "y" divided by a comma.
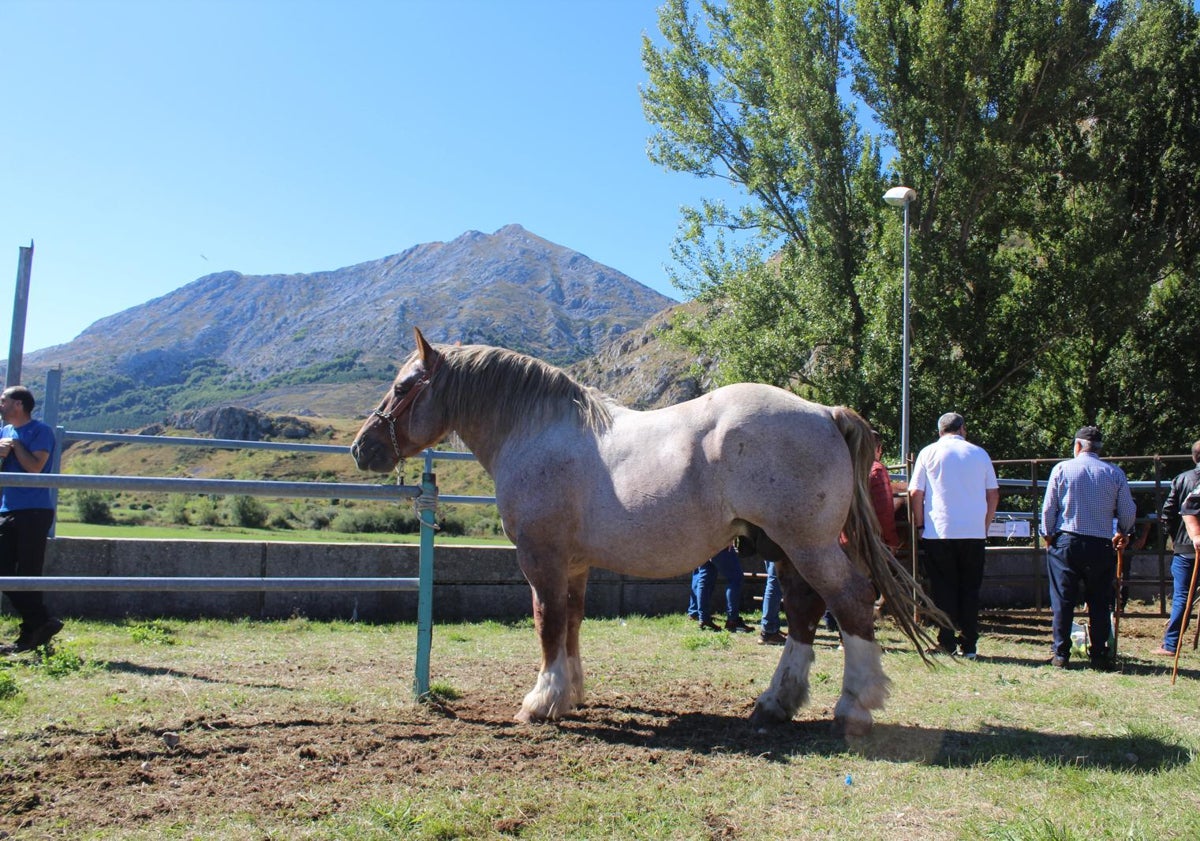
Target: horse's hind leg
{"x": 559, "y": 685}
{"x": 788, "y": 691}
{"x": 851, "y": 599}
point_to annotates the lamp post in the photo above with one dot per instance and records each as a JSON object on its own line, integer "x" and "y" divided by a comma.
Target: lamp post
{"x": 903, "y": 197}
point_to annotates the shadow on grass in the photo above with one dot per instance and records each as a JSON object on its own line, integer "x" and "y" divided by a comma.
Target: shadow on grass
{"x": 706, "y": 733}
{"x": 128, "y": 668}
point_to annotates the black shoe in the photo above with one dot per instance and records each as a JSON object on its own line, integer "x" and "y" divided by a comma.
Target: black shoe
{"x": 709, "y": 625}
{"x": 1103, "y": 664}
{"x": 1058, "y": 662}
{"x": 772, "y": 639}
{"x": 735, "y": 625}
{"x": 38, "y": 637}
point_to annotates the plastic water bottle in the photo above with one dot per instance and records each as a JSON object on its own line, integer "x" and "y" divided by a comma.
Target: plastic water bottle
{"x": 1078, "y": 639}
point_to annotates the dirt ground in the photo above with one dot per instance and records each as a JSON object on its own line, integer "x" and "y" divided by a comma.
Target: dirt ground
{"x": 307, "y": 762}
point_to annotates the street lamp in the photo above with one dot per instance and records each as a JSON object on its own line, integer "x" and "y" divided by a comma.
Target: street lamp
{"x": 903, "y": 197}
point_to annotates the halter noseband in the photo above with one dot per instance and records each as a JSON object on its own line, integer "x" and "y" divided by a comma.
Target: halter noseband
{"x": 406, "y": 401}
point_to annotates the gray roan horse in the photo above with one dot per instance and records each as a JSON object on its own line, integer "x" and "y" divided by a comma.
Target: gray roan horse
{"x": 582, "y": 482}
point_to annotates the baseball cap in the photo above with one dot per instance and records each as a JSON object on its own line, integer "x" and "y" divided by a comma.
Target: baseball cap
{"x": 1090, "y": 433}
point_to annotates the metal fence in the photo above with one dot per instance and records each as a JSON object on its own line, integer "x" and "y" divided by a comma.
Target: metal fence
{"x": 425, "y": 496}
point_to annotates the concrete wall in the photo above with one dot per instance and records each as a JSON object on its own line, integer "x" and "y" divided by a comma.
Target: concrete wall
{"x": 470, "y": 582}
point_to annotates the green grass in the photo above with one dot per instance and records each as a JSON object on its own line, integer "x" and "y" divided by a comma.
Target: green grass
{"x": 313, "y": 725}
{"x": 156, "y": 532}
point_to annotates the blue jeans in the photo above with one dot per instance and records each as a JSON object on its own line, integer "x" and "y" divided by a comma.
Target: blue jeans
{"x": 704, "y": 580}
{"x": 1181, "y": 572}
{"x": 1072, "y": 558}
{"x": 772, "y": 595}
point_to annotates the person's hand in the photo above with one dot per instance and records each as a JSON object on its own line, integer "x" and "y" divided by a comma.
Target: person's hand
{"x": 6, "y": 445}
{"x": 1120, "y": 541}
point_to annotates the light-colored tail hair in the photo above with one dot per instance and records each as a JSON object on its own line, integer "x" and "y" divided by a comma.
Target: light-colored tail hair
{"x": 901, "y": 592}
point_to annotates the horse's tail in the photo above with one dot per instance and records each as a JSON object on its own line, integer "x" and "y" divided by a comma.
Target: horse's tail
{"x": 900, "y": 591}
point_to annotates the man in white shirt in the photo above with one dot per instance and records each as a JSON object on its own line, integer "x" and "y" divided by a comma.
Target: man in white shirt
{"x": 954, "y": 495}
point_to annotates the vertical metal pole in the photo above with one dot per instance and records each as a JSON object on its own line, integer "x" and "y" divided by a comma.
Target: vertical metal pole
{"x": 904, "y": 350}
{"x": 425, "y": 586}
{"x": 50, "y": 418}
{"x": 16, "y": 343}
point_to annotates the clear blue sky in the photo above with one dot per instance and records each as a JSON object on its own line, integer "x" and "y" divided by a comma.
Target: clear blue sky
{"x": 147, "y": 143}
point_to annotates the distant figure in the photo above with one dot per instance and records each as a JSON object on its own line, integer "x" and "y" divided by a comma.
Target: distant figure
{"x": 881, "y": 498}
{"x": 729, "y": 566}
{"x": 1083, "y": 496}
{"x": 954, "y": 496}
{"x": 26, "y": 515}
{"x": 1184, "y": 548}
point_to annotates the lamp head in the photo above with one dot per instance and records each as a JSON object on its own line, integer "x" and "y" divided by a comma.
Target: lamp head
{"x": 900, "y": 196}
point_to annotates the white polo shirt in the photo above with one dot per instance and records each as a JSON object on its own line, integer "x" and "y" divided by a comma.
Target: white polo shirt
{"x": 955, "y": 476}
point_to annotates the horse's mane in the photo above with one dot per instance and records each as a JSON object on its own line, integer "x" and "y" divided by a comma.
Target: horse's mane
{"x": 517, "y": 388}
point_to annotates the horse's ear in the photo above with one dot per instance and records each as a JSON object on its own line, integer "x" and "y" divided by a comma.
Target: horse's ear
{"x": 423, "y": 347}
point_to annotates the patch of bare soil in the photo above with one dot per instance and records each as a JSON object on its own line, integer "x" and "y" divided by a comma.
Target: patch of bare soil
{"x": 306, "y": 763}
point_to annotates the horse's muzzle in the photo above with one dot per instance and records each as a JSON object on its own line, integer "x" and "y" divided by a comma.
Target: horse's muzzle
{"x": 370, "y": 455}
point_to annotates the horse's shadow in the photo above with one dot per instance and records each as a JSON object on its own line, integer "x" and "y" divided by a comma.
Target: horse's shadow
{"x": 714, "y": 733}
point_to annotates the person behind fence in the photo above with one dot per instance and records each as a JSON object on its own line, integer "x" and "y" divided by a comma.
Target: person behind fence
{"x": 1183, "y": 547}
{"x": 704, "y": 581}
{"x": 954, "y": 494}
{"x": 26, "y": 515}
{"x": 769, "y": 632}
{"x": 1083, "y": 496}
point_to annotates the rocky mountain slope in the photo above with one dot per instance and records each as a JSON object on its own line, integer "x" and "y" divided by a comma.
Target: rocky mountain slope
{"x": 274, "y": 341}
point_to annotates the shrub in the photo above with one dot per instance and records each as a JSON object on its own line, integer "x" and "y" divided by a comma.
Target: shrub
{"x": 177, "y": 510}
{"x": 247, "y": 511}
{"x": 206, "y": 512}
{"x": 93, "y": 507}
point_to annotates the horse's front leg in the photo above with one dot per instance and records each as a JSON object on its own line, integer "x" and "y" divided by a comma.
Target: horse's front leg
{"x": 788, "y": 691}
{"x": 559, "y": 684}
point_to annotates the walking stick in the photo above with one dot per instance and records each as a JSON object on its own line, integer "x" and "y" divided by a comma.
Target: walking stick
{"x": 1187, "y": 612}
{"x": 1117, "y": 603}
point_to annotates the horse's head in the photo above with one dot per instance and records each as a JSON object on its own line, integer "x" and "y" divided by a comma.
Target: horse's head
{"x": 405, "y": 422}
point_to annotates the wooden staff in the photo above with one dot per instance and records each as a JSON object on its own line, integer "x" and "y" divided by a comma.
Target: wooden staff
{"x": 1117, "y": 603}
{"x": 1187, "y": 612}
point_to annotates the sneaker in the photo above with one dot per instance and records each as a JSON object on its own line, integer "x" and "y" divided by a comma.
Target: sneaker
{"x": 772, "y": 639}
{"x": 709, "y": 625}
{"x": 38, "y": 637}
{"x": 970, "y": 655}
{"x": 735, "y": 625}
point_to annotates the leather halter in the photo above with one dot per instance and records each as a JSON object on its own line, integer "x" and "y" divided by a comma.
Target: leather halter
{"x": 405, "y": 402}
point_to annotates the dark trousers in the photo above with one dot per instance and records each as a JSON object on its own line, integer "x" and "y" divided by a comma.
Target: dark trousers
{"x": 1070, "y": 559}
{"x": 955, "y": 570}
{"x": 23, "y": 537}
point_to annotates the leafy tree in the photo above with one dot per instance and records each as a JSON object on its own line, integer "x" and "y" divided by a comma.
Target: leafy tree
{"x": 1043, "y": 234}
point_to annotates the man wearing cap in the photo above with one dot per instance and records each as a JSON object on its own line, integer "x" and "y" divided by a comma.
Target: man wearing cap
{"x": 954, "y": 495}
{"x": 1083, "y": 496}
{"x": 1183, "y": 559}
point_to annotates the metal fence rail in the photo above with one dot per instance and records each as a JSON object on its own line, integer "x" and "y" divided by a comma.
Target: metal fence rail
{"x": 425, "y": 496}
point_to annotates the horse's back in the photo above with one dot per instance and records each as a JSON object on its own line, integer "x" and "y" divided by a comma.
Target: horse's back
{"x": 742, "y": 453}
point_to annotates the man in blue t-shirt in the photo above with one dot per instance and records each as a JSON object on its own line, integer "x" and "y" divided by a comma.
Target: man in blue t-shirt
{"x": 26, "y": 514}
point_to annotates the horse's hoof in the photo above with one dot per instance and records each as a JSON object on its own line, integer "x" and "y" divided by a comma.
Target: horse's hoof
{"x": 853, "y": 726}
{"x": 763, "y": 717}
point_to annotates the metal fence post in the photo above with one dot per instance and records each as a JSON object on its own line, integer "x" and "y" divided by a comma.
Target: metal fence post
{"x": 426, "y": 509}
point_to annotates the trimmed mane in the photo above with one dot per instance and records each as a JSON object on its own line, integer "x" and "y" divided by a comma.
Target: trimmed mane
{"x": 517, "y": 388}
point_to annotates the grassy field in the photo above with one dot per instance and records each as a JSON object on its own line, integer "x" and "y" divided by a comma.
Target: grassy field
{"x": 307, "y": 730}
{"x": 164, "y": 532}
